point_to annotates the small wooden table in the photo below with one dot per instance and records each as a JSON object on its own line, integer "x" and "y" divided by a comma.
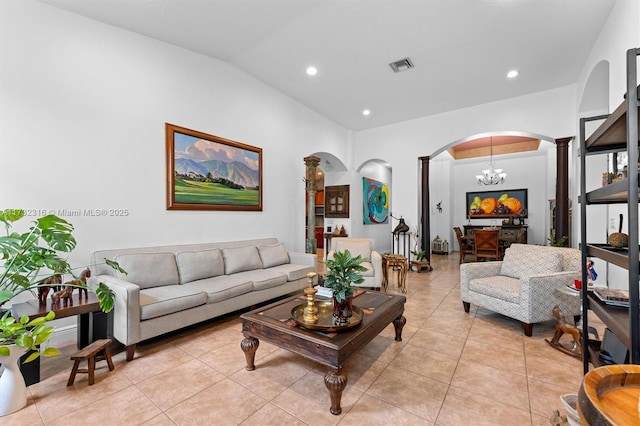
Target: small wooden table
{"x": 394, "y": 262}
{"x": 92, "y": 323}
{"x": 421, "y": 265}
{"x": 327, "y": 241}
{"x": 274, "y": 324}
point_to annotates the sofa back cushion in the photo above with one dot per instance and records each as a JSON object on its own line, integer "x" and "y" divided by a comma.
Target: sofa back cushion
{"x": 518, "y": 263}
{"x": 273, "y": 255}
{"x": 149, "y": 269}
{"x": 241, "y": 259}
{"x": 196, "y": 265}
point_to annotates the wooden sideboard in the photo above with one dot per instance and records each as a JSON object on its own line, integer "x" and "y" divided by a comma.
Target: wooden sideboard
{"x": 509, "y": 233}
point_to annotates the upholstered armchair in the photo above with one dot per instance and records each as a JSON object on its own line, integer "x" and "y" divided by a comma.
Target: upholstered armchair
{"x": 526, "y": 285}
{"x": 372, "y": 259}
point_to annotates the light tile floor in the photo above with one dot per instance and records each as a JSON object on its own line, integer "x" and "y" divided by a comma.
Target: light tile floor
{"x": 451, "y": 368}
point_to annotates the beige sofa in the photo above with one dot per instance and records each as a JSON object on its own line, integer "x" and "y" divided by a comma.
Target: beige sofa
{"x": 526, "y": 285}
{"x": 170, "y": 287}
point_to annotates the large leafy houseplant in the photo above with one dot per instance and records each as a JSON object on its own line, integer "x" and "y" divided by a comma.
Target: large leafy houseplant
{"x": 28, "y": 258}
{"x": 342, "y": 271}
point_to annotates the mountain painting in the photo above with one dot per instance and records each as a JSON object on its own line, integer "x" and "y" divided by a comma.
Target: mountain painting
{"x": 207, "y": 172}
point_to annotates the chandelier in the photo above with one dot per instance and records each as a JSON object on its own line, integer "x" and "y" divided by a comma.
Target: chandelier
{"x": 491, "y": 176}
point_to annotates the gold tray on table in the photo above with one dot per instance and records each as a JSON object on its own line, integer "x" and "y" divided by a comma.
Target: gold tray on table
{"x": 325, "y": 317}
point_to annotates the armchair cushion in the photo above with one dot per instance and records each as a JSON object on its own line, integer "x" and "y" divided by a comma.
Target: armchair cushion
{"x": 518, "y": 264}
{"x": 501, "y": 287}
{"x": 357, "y": 247}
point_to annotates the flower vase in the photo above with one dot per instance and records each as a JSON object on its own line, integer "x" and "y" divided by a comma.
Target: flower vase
{"x": 342, "y": 311}
{"x": 13, "y": 390}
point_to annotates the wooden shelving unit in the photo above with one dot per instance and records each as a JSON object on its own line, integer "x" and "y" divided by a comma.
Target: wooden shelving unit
{"x": 618, "y": 132}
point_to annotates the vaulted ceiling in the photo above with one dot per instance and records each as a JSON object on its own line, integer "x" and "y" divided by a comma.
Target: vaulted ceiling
{"x": 461, "y": 49}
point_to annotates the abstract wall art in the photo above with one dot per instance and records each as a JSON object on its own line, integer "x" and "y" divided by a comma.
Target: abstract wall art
{"x": 375, "y": 197}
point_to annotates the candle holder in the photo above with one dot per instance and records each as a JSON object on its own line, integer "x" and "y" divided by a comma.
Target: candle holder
{"x": 310, "y": 313}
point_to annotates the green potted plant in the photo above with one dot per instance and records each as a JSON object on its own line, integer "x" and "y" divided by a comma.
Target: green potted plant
{"x": 26, "y": 260}
{"x": 343, "y": 271}
{"x": 419, "y": 256}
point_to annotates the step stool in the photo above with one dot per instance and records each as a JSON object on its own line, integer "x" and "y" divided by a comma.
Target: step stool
{"x": 96, "y": 351}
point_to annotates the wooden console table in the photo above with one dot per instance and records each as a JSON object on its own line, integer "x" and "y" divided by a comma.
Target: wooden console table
{"x": 92, "y": 323}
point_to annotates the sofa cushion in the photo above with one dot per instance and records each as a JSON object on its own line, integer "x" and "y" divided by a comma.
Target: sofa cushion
{"x": 499, "y": 287}
{"x": 273, "y": 255}
{"x": 223, "y": 287}
{"x": 241, "y": 259}
{"x": 149, "y": 269}
{"x": 292, "y": 271}
{"x": 158, "y": 301}
{"x": 196, "y": 265}
{"x": 522, "y": 263}
{"x": 264, "y": 278}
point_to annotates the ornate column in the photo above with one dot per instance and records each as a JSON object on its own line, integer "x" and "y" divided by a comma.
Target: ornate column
{"x": 561, "y": 224}
{"x": 311, "y": 188}
{"x": 425, "y": 232}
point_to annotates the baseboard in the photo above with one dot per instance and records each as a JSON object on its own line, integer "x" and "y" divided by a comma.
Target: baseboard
{"x": 62, "y": 335}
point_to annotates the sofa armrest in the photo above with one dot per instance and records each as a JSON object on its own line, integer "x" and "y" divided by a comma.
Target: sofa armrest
{"x": 470, "y": 271}
{"x": 308, "y": 259}
{"x": 549, "y": 290}
{"x": 126, "y": 310}
{"x": 376, "y": 262}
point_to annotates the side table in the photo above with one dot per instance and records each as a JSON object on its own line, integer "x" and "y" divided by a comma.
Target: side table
{"x": 394, "y": 262}
{"x": 92, "y": 323}
{"x": 421, "y": 265}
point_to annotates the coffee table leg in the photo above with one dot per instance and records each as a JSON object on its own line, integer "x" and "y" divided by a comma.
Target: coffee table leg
{"x": 335, "y": 381}
{"x": 249, "y": 346}
{"x": 398, "y": 324}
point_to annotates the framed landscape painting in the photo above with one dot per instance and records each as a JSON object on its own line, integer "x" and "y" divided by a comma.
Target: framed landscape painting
{"x": 206, "y": 172}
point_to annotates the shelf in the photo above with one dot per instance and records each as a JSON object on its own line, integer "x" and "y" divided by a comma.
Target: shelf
{"x": 613, "y": 193}
{"x": 619, "y": 256}
{"x": 618, "y": 132}
{"x": 616, "y": 318}
{"x": 612, "y": 134}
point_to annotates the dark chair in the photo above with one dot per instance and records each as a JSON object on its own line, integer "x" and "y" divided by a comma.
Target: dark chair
{"x": 466, "y": 245}
{"x": 486, "y": 245}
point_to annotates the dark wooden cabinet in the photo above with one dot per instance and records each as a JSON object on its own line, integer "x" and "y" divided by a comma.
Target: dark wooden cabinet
{"x": 510, "y": 233}
{"x": 336, "y": 201}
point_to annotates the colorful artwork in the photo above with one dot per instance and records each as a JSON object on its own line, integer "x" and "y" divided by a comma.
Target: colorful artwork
{"x": 493, "y": 204}
{"x": 375, "y": 196}
{"x": 206, "y": 172}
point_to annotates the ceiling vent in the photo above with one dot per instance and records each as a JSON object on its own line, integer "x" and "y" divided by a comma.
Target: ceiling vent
{"x": 401, "y": 65}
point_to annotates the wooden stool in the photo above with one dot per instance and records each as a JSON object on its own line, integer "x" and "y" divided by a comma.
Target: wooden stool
{"x": 97, "y": 351}
{"x": 397, "y": 262}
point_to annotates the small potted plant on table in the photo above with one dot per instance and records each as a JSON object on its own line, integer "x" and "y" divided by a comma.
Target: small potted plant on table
{"x": 343, "y": 271}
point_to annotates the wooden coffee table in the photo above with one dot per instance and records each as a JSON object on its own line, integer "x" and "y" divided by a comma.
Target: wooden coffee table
{"x": 274, "y": 324}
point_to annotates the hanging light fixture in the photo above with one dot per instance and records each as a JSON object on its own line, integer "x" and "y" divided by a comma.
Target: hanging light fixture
{"x": 491, "y": 176}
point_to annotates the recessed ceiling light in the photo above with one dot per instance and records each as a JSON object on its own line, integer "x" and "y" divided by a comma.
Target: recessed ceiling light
{"x": 366, "y": 112}
{"x": 312, "y": 71}
{"x": 512, "y": 74}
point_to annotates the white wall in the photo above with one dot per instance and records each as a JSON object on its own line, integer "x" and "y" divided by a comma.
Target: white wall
{"x": 549, "y": 114}
{"x": 82, "y": 113}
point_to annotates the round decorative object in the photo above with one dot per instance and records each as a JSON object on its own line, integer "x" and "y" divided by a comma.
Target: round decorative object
{"x": 517, "y": 221}
{"x": 326, "y": 321}
{"x": 13, "y": 390}
{"x": 609, "y": 395}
